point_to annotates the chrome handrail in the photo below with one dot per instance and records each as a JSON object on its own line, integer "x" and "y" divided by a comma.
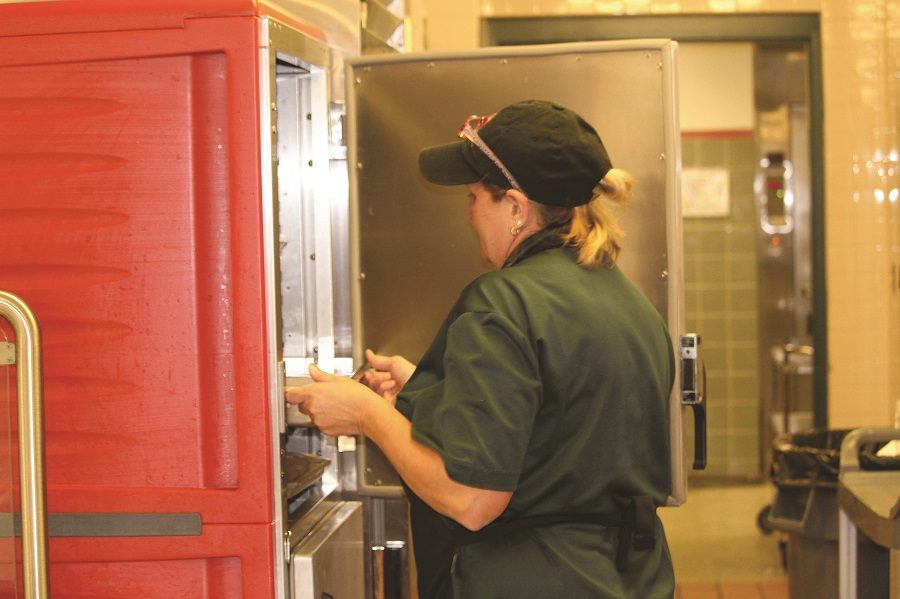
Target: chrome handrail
{"x": 29, "y": 389}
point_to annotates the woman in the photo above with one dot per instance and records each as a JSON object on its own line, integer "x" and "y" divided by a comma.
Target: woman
{"x": 532, "y": 436}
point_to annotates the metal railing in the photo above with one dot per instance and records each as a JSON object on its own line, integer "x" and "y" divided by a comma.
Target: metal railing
{"x": 29, "y": 390}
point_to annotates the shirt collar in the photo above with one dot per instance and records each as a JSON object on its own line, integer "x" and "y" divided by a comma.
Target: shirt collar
{"x": 544, "y": 239}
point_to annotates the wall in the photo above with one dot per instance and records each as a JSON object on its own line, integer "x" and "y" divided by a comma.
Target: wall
{"x": 861, "y": 61}
{"x": 720, "y": 103}
{"x": 720, "y": 288}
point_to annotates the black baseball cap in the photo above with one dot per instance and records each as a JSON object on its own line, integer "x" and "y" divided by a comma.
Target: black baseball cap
{"x": 554, "y": 156}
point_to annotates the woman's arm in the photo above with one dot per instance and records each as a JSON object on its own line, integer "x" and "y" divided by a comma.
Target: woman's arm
{"x": 339, "y": 406}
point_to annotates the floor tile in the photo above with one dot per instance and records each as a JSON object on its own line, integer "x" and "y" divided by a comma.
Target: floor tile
{"x": 714, "y": 536}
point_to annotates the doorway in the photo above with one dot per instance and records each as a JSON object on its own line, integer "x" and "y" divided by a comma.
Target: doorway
{"x": 743, "y": 269}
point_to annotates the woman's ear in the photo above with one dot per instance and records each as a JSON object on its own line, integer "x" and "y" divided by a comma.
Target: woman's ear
{"x": 521, "y": 205}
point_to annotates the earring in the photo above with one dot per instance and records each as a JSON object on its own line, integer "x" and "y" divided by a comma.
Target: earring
{"x": 516, "y": 228}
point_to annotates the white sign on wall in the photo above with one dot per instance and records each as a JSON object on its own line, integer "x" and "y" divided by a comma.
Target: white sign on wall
{"x": 705, "y": 192}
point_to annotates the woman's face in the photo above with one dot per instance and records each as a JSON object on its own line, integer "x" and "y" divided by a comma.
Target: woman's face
{"x": 492, "y": 220}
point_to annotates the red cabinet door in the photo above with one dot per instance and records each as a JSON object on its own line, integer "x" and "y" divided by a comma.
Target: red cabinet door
{"x": 130, "y": 222}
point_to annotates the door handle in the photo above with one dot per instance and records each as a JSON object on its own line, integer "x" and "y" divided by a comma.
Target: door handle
{"x": 29, "y": 389}
{"x": 693, "y": 392}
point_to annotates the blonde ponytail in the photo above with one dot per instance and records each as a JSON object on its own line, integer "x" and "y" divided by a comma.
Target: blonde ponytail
{"x": 594, "y": 227}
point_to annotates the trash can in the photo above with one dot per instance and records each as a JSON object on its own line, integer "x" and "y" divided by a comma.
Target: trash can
{"x": 804, "y": 471}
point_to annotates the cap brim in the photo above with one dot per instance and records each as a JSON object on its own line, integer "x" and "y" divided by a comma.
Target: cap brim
{"x": 447, "y": 165}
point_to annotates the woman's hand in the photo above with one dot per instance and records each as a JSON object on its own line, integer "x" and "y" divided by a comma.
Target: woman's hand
{"x": 337, "y": 405}
{"x": 388, "y": 375}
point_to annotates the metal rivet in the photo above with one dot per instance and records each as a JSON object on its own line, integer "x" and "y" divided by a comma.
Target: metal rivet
{"x": 662, "y": 156}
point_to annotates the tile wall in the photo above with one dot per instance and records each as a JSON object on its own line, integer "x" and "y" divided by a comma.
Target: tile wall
{"x": 720, "y": 299}
{"x": 861, "y": 43}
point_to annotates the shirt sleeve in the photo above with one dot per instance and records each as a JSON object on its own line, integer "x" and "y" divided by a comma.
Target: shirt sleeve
{"x": 480, "y": 416}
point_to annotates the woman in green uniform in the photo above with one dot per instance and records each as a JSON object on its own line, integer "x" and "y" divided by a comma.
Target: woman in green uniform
{"x": 532, "y": 436}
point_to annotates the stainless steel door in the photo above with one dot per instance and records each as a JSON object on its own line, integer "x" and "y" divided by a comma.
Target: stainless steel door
{"x": 329, "y": 561}
{"x": 412, "y": 247}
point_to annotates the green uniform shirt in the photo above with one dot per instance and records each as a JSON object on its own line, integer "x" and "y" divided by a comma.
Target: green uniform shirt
{"x": 551, "y": 380}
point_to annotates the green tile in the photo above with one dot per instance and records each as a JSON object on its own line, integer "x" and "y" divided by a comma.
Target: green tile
{"x": 741, "y": 269}
{"x": 711, "y": 152}
{"x": 716, "y": 383}
{"x": 742, "y": 213}
{"x": 713, "y": 241}
{"x": 691, "y": 271}
{"x": 688, "y": 152}
{"x": 714, "y": 300}
{"x": 743, "y": 298}
{"x": 716, "y": 444}
{"x": 743, "y": 328}
{"x": 745, "y": 366}
{"x": 713, "y": 331}
{"x": 745, "y": 388}
{"x": 745, "y": 362}
{"x": 712, "y": 270}
{"x": 742, "y": 181}
{"x": 691, "y": 242}
{"x": 741, "y": 238}
{"x": 743, "y": 152}
{"x": 698, "y": 326}
{"x": 717, "y": 417}
{"x": 743, "y": 415}
{"x": 743, "y": 445}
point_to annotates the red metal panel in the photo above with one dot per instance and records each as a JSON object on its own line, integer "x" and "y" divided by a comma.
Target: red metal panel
{"x": 130, "y": 222}
{"x": 223, "y": 563}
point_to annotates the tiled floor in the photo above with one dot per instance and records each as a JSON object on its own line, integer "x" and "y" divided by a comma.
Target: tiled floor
{"x": 767, "y": 589}
{"x": 718, "y": 551}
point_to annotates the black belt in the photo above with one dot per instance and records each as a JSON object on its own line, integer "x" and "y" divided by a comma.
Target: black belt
{"x": 637, "y": 526}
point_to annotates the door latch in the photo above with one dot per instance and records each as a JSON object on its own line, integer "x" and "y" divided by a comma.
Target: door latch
{"x": 693, "y": 392}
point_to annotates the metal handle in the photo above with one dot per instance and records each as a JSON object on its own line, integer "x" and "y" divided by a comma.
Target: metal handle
{"x": 31, "y": 443}
{"x": 693, "y": 393}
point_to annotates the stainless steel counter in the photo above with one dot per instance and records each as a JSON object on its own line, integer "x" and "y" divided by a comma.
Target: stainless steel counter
{"x": 869, "y": 501}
